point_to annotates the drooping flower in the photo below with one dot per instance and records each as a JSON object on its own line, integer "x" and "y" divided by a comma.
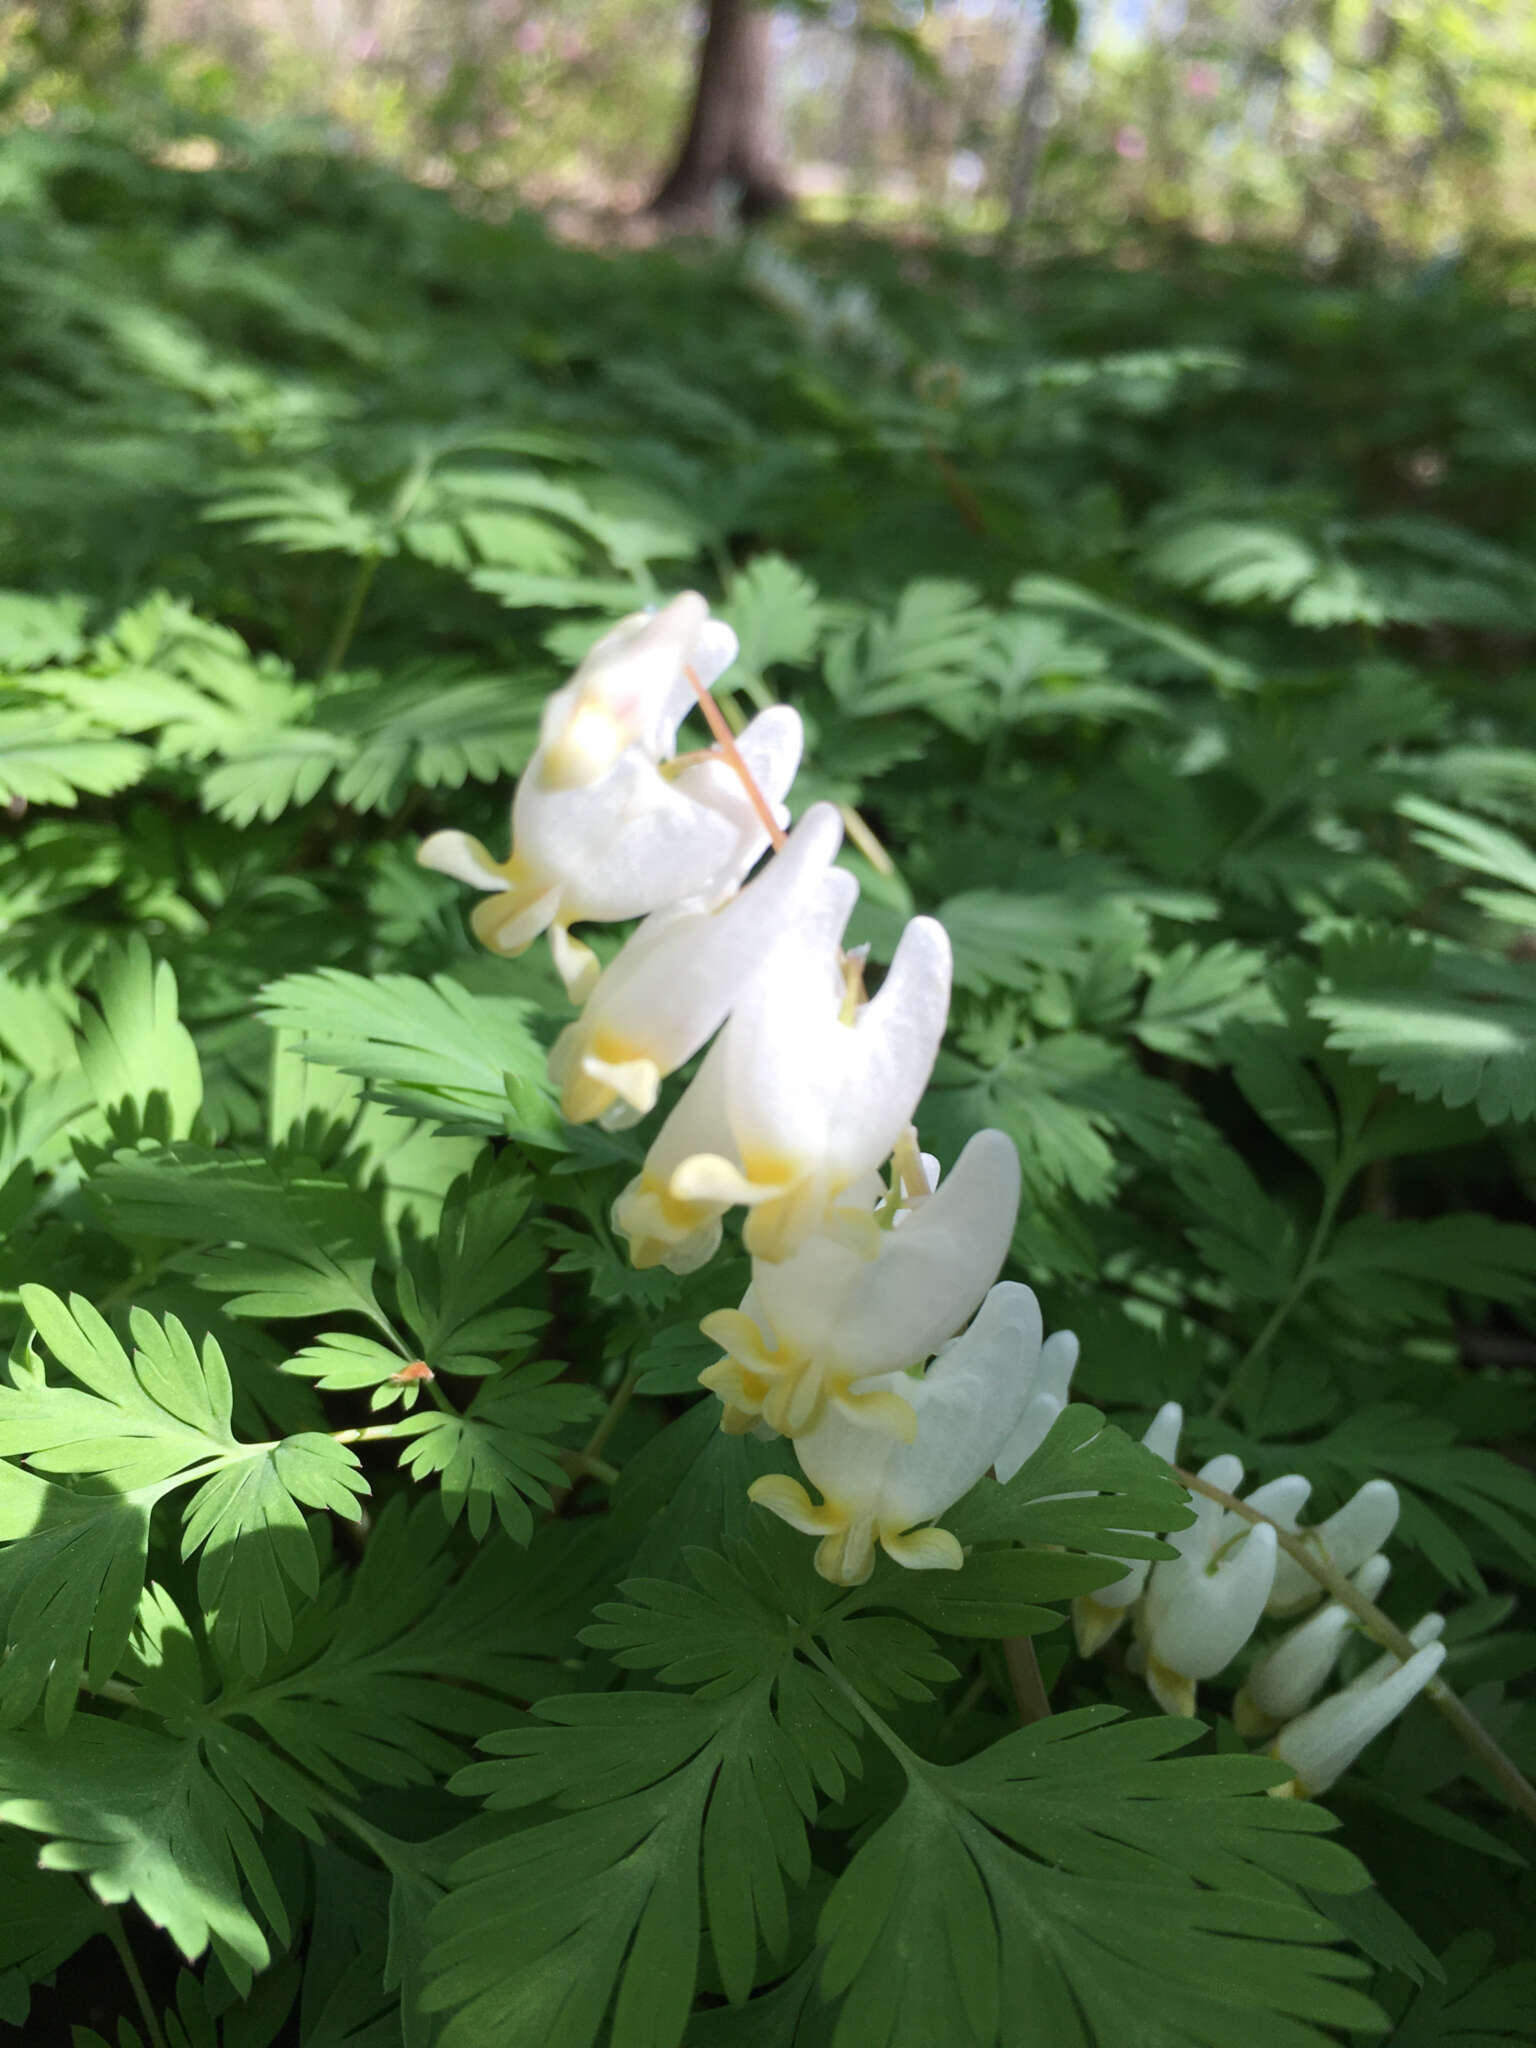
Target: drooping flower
{"x": 604, "y": 825}
{"x": 806, "y": 1090}
{"x": 1096, "y": 1615}
{"x": 878, "y": 1490}
{"x": 1322, "y": 1743}
{"x": 1348, "y": 1537}
{"x": 1202, "y": 1606}
{"x": 676, "y": 978}
{"x": 818, "y": 1326}
{"x": 1287, "y": 1679}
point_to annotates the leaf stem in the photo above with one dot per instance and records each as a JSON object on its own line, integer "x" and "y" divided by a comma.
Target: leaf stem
{"x": 1030, "y": 1695}
{"x": 911, "y": 1763}
{"x": 351, "y": 612}
{"x": 592, "y": 1450}
{"x": 376, "y": 1432}
{"x": 1242, "y": 1373}
{"x": 1512, "y": 1782}
{"x": 117, "y": 1934}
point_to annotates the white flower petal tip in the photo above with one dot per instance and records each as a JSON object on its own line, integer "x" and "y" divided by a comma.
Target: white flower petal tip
{"x": 677, "y": 978}
{"x": 464, "y": 858}
{"x": 1321, "y": 1745}
{"x": 1050, "y": 1377}
{"x": 1347, "y": 1538}
{"x": 1164, "y": 1430}
{"x": 632, "y": 689}
{"x": 1093, "y": 1623}
{"x": 817, "y": 1087}
{"x": 1287, "y": 1679}
{"x": 856, "y": 1301}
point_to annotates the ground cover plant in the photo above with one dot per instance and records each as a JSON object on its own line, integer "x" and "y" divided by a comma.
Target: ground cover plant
{"x": 392, "y": 1649}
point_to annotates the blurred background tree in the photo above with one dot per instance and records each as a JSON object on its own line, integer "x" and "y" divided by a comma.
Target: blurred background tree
{"x": 1330, "y": 122}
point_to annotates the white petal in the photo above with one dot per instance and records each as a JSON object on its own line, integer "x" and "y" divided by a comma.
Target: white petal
{"x": 673, "y": 982}
{"x": 1287, "y": 1680}
{"x": 967, "y": 1402}
{"x": 1162, "y": 1433}
{"x": 878, "y": 1315}
{"x": 1198, "y": 1619}
{"x": 1324, "y": 1742}
{"x": 456, "y": 854}
{"x": 1348, "y": 1538}
{"x": 1428, "y": 1629}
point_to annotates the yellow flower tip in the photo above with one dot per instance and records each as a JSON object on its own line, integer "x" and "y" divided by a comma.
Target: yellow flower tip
{"x": 661, "y": 1231}
{"x": 788, "y": 1499}
{"x": 885, "y": 1413}
{"x": 736, "y": 1421}
{"x": 575, "y": 962}
{"x": 507, "y": 924}
{"x": 1291, "y": 1789}
{"x": 847, "y": 1556}
{"x": 1094, "y": 1622}
{"x": 1173, "y": 1691}
{"x": 786, "y": 1212}
{"x": 924, "y": 1550}
{"x": 1249, "y": 1717}
{"x": 707, "y": 1178}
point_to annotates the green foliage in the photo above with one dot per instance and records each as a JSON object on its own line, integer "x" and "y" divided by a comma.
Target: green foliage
{"x": 338, "y": 1439}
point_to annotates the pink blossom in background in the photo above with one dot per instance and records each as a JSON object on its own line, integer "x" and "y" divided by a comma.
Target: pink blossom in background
{"x": 529, "y": 39}
{"x": 365, "y": 47}
{"x": 1131, "y": 144}
{"x": 1201, "y": 81}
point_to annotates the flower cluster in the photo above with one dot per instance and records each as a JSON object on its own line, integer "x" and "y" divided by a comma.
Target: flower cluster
{"x": 1193, "y": 1615}
{"x": 872, "y": 1335}
{"x": 875, "y": 1335}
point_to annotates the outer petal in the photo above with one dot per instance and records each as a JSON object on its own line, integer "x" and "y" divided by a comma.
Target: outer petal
{"x": 863, "y": 1316}
{"x": 969, "y": 1399}
{"x": 1324, "y": 1742}
{"x": 1357, "y": 1531}
{"x": 1096, "y": 1616}
{"x": 1199, "y": 1619}
{"x": 1290, "y": 1676}
{"x": 771, "y": 748}
{"x": 817, "y": 1100}
{"x": 631, "y": 689}
{"x": 665, "y": 1228}
{"x": 674, "y": 981}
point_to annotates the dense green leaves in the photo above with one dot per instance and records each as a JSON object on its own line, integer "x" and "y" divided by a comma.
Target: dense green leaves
{"x": 1165, "y": 628}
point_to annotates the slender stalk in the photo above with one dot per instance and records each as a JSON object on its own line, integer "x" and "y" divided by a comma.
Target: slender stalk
{"x": 725, "y": 740}
{"x": 117, "y": 1934}
{"x": 1030, "y": 1695}
{"x": 592, "y": 1450}
{"x": 375, "y": 1433}
{"x": 1242, "y": 1373}
{"x": 1501, "y": 1767}
{"x": 351, "y": 612}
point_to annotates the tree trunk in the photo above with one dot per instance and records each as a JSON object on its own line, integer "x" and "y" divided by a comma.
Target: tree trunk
{"x": 732, "y": 137}
{"x": 1030, "y": 131}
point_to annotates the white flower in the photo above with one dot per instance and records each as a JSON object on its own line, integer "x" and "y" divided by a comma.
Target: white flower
{"x": 604, "y": 827}
{"x": 1202, "y": 1606}
{"x": 1357, "y": 1531}
{"x": 877, "y": 1489}
{"x": 1048, "y": 1391}
{"x": 1096, "y": 1615}
{"x": 1287, "y": 1679}
{"x": 805, "y": 1091}
{"x": 816, "y": 1327}
{"x": 1322, "y": 1744}
{"x": 676, "y": 978}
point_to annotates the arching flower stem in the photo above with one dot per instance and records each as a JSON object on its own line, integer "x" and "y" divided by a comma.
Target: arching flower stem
{"x": 1512, "y": 1782}
{"x": 725, "y": 740}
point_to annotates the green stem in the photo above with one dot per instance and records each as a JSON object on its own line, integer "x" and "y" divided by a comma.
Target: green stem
{"x": 118, "y": 1936}
{"x": 1382, "y": 1630}
{"x": 911, "y": 1763}
{"x": 1030, "y": 1695}
{"x": 375, "y": 1433}
{"x": 592, "y": 1450}
{"x": 351, "y": 612}
{"x": 1242, "y": 1373}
